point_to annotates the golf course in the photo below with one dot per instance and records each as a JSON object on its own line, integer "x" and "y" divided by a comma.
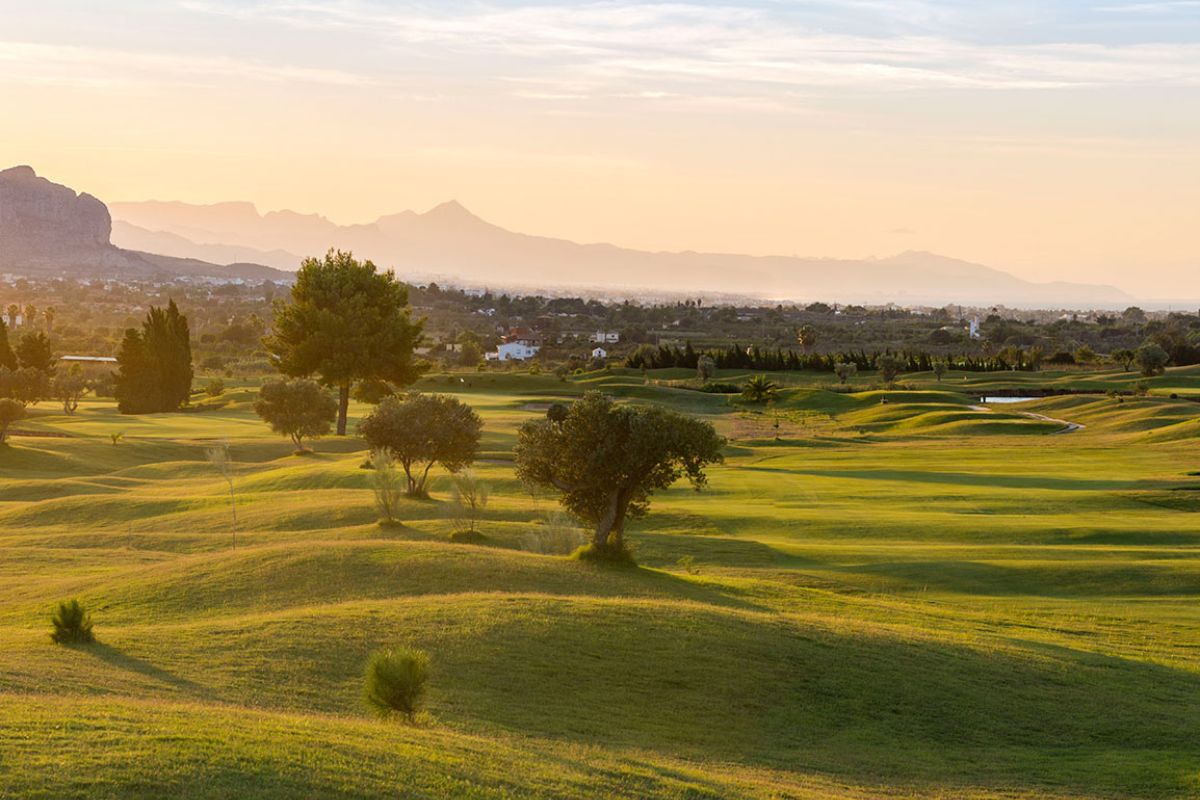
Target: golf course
{"x": 910, "y": 592}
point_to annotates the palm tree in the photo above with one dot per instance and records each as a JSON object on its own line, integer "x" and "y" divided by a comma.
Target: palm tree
{"x": 760, "y": 389}
{"x": 49, "y": 315}
{"x": 807, "y": 337}
{"x": 30, "y": 314}
{"x": 13, "y": 311}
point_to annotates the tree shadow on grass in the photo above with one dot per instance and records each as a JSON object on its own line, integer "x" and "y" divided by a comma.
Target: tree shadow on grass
{"x": 114, "y": 657}
{"x": 851, "y": 706}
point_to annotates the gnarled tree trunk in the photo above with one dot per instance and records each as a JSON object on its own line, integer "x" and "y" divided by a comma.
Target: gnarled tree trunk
{"x": 610, "y": 528}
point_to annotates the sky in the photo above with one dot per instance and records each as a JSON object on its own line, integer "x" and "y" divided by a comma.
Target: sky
{"x": 1057, "y": 139}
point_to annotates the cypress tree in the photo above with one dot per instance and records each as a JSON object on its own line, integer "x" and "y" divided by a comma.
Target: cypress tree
{"x": 155, "y": 364}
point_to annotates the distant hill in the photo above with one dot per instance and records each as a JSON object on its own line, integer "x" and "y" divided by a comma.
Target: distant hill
{"x": 49, "y": 229}
{"x": 451, "y": 242}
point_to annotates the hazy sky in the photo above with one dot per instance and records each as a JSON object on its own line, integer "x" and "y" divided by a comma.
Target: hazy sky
{"x": 1059, "y": 139}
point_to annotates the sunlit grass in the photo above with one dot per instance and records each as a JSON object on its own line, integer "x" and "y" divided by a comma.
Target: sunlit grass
{"x": 917, "y": 597}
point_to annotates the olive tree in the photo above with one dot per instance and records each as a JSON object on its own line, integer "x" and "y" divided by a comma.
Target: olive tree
{"x": 420, "y": 430}
{"x": 68, "y": 388}
{"x": 890, "y": 367}
{"x": 845, "y": 371}
{"x": 1123, "y": 356}
{"x": 1152, "y": 359}
{"x": 607, "y": 460}
{"x": 298, "y": 408}
{"x": 10, "y": 411}
{"x": 28, "y": 386}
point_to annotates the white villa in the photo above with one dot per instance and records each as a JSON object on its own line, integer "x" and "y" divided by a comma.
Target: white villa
{"x": 514, "y": 351}
{"x": 605, "y": 337}
{"x": 599, "y": 352}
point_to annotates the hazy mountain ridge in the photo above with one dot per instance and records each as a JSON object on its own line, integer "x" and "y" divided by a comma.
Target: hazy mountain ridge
{"x": 450, "y": 241}
{"x": 47, "y": 228}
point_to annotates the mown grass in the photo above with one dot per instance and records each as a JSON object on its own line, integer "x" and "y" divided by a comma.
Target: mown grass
{"x": 881, "y": 594}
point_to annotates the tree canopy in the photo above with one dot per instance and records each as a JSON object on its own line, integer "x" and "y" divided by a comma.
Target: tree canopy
{"x": 345, "y": 323}
{"x": 608, "y": 459}
{"x": 421, "y": 430}
{"x": 8, "y": 358}
{"x": 34, "y": 352}
{"x": 1152, "y": 359}
{"x": 154, "y": 365}
{"x": 297, "y": 407}
{"x": 10, "y": 411}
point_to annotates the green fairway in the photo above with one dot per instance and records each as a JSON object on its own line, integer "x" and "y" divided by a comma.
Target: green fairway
{"x": 903, "y": 593}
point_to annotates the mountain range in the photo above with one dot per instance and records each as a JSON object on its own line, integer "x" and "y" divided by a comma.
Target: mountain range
{"x": 448, "y": 242}
{"x": 48, "y": 228}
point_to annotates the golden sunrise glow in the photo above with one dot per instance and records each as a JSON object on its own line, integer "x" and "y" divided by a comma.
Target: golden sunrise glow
{"x": 1053, "y": 143}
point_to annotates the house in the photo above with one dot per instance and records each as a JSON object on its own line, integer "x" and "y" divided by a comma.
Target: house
{"x": 973, "y": 330}
{"x": 599, "y": 352}
{"x": 519, "y": 345}
{"x": 604, "y": 337}
{"x": 520, "y": 350}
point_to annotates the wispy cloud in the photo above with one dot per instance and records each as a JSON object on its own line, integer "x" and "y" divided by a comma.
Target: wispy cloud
{"x": 96, "y": 66}
{"x": 623, "y": 49}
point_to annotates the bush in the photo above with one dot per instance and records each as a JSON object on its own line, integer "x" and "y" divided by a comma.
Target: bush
{"x": 469, "y": 497}
{"x": 608, "y": 555}
{"x": 215, "y": 387}
{"x": 72, "y": 624}
{"x": 721, "y": 388}
{"x": 387, "y": 484}
{"x": 395, "y": 682}
{"x": 558, "y": 535}
{"x": 1061, "y": 358}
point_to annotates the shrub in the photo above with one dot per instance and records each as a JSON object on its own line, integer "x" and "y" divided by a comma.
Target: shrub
{"x": 72, "y": 624}
{"x": 721, "y": 388}
{"x": 470, "y": 498}
{"x": 387, "y": 484}
{"x": 608, "y": 554}
{"x": 395, "y": 682}
{"x": 558, "y": 535}
{"x": 215, "y": 387}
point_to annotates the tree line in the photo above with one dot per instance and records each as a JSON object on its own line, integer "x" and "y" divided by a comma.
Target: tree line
{"x": 756, "y": 358}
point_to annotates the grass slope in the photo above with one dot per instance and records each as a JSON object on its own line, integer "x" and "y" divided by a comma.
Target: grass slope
{"x": 881, "y": 594}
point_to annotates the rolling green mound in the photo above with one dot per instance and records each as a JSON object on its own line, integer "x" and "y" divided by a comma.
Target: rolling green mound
{"x": 880, "y": 594}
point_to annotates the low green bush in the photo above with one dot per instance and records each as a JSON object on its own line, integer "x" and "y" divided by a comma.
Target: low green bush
{"x": 72, "y": 624}
{"x": 395, "y": 682}
{"x": 607, "y": 555}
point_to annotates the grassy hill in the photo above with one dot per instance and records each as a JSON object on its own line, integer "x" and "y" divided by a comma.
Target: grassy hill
{"x": 881, "y": 594}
